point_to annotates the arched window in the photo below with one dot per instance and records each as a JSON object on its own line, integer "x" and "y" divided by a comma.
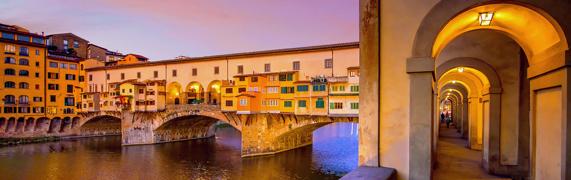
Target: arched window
{"x": 9, "y": 99}
{"x": 24, "y": 62}
{"x": 9, "y": 84}
{"x": 24, "y": 73}
{"x": 24, "y": 99}
{"x": 10, "y": 72}
{"x": 24, "y": 85}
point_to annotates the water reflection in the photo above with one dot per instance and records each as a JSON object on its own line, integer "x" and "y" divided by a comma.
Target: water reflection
{"x": 333, "y": 154}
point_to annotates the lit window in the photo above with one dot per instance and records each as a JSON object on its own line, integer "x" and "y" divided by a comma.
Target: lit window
{"x": 243, "y": 102}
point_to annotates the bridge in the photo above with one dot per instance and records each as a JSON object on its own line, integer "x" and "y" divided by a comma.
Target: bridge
{"x": 262, "y": 134}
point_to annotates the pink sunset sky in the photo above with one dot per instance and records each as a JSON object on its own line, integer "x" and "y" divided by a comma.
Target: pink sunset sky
{"x": 164, "y": 29}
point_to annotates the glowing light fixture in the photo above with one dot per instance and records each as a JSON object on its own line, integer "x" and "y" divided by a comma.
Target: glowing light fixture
{"x": 460, "y": 69}
{"x": 453, "y": 82}
{"x": 485, "y": 18}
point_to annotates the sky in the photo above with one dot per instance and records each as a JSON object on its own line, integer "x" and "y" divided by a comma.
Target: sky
{"x": 164, "y": 29}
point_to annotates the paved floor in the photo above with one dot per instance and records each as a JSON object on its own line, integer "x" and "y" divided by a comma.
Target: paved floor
{"x": 455, "y": 161}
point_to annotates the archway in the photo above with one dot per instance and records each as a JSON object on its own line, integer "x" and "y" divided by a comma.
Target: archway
{"x": 540, "y": 44}
{"x": 187, "y": 127}
{"x": 2, "y": 124}
{"x": 65, "y": 125}
{"x": 194, "y": 93}
{"x": 29, "y": 125}
{"x": 20, "y": 124}
{"x": 174, "y": 93}
{"x": 55, "y": 124}
{"x": 214, "y": 92}
{"x": 101, "y": 126}
{"x": 42, "y": 124}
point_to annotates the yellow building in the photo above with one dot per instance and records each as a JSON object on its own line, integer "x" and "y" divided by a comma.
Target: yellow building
{"x": 63, "y": 89}
{"x": 22, "y": 77}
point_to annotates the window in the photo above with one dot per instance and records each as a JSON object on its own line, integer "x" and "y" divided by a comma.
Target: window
{"x": 37, "y": 99}
{"x": 10, "y": 60}
{"x": 53, "y": 86}
{"x": 23, "y": 51}
{"x": 287, "y": 104}
{"x": 24, "y": 100}
{"x": 69, "y": 101}
{"x": 90, "y": 77}
{"x": 328, "y": 63}
{"x": 9, "y": 49}
{"x": 302, "y": 88}
{"x": 24, "y": 73}
{"x": 52, "y": 98}
{"x": 38, "y": 40}
{"x": 37, "y": 64}
{"x": 354, "y": 105}
{"x": 240, "y": 69}
{"x": 156, "y": 74}
{"x": 65, "y": 44}
{"x": 241, "y": 78}
{"x": 10, "y": 72}
{"x": 229, "y": 103}
{"x": 216, "y": 70}
{"x": 6, "y": 35}
{"x": 320, "y": 87}
{"x": 254, "y": 79}
{"x": 37, "y": 52}
{"x": 53, "y": 75}
{"x": 81, "y": 78}
{"x": 229, "y": 90}
{"x": 108, "y": 76}
{"x": 283, "y": 77}
{"x": 9, "y": 84}
{"x": 69, "y": 88}
{"x": 194, "y": 71}
{"x": 53, "y": 64}
{"x": 23, "y": 38}
{"x": 63, "y": 66}
{"x": 267, "y": 67}
{"x": 37, "y": 86}
{"x": 70, "y": 77}
{"x": 174, "y": 73}
{"x": 354, "y": 88}
{"x": 319, "y": 103}
{"x": 296, "y": 65}
{"x": 73, "y": 66}
{"x": 287, "y": 90}
{"x": 243, "y": 102}
{"x": 341, "y": 88}
{"x": 138, "y": 75}
{"x": 141, "y": 91}
{"x": 302, "y": 103}
{"x": 334, "y": 88}
{"x": 75, "y": 44}
{"x": 240, "y": 90}
{"x": 336, "y": 105}
{"x": 122, "y": 76}
{"x": 24, "y": 62}
{"x": 24, "y": 85}
{"x": 272, "y": 89}
{"x": 9, "y": 99}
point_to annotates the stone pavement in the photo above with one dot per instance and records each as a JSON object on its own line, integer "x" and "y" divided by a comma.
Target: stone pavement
{"x": 455, "y": 161}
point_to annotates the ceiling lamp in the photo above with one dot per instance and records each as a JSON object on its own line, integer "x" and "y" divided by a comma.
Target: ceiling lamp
{"x": 460, "y": 69}
{"x": 485, "y": 18}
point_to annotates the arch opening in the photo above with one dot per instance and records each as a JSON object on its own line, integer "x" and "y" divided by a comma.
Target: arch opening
{"x": 101, "y": 126}
{"x": 214, "y": 92}
{"x": 194, "y": 93}
{"x": 188, "y": 127}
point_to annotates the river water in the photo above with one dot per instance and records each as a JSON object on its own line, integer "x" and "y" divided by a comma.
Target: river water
{"x": 333, "y": 154}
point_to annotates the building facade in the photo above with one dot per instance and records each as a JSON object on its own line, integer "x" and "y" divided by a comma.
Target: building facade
{"x": 22, "y": 77}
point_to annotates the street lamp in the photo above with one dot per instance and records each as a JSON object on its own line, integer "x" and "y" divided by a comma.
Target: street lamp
{"x": 485, "y": 18}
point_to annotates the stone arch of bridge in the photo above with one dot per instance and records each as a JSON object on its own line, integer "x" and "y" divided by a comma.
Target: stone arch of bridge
{"x": 97, "y": 125}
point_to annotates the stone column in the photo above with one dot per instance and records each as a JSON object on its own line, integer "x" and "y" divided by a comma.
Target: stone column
{"x": 491, "y": 135}
{"x": 421, "y": 73}
{"x": 369, "y": 96}
{"x": 472, "y": 122}
{"x": 465, "y": 115}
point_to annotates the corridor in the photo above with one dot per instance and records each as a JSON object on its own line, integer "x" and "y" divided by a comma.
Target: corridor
{"x": 455, "y": 161}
